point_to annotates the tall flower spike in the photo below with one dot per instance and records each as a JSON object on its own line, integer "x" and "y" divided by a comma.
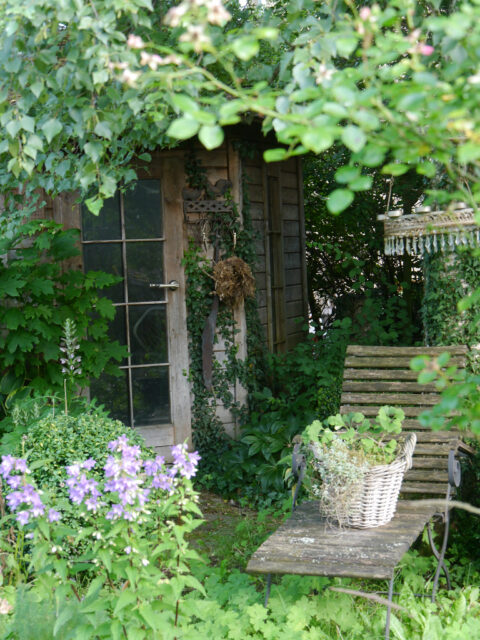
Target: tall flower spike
{"x": 71, "y": 361}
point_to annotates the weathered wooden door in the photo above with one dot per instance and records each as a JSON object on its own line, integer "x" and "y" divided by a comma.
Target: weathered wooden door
{"x": 138, "y": 236}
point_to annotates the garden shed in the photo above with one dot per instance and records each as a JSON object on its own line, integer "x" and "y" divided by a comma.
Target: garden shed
{"x": 142, "y": 235}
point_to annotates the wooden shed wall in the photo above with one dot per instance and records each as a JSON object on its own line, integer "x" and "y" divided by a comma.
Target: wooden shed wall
{"x": 224, "y": 163}
{"x": 275, "y": 192}
{"x": 276, "y": 207}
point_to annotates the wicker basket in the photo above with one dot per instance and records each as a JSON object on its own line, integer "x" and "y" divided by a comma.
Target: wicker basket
{"x": 375, "y": 501}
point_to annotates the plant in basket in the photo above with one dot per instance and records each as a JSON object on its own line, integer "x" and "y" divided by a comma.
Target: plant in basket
{"x": 355, "y": 466}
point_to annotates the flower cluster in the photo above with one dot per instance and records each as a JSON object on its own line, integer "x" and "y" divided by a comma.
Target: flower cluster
{"x": 129, "y": 482}
{"x": 216, "y": 12}
{"x": 125, "y": 480}
{"x": 23, "y": 499}
{"x": 205, "y": 11}
{"x": 83, "y": 489}
{"x": 183, "y": 462}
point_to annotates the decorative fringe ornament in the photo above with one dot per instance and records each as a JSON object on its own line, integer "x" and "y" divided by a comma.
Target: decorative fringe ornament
{"x": 430, "y": 231}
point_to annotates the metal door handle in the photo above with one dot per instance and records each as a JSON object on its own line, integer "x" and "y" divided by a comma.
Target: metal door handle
{"x": 172, "y": 285}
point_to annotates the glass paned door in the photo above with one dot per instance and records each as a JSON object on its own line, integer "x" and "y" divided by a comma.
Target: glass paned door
{"x": 128, "y": 239}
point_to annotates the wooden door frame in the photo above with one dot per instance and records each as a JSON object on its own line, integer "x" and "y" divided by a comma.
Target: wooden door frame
{"x": 169, "y": 169}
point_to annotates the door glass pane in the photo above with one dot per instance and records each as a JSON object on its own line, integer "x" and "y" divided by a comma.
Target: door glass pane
{"x": 105, "y": 226}
{"x": 150, "y": 391}
{"x": 148, "y": 334}
{"x": 143, "y": 210}
{"x": 117, "y": 330}
{"x": 145, "y": 266}
{"x": 113, "y": 393}
{"x": 105, "y": 257}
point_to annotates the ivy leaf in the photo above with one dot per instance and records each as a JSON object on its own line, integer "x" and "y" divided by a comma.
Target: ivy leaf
{"x": 51, "y": 128}
{"x": 21, "y": 341}
{"x": 339, "y": 200}
{"x": 41, "y": 286}
{"x": 13, "y": 318}
{"x": 94, "y": 205}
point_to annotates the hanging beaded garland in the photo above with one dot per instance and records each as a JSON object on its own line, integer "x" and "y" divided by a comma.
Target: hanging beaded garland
{"x": 430, "y": 230}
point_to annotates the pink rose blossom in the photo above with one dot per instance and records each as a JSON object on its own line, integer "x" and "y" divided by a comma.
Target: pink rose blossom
{"x": 426, "y": 49}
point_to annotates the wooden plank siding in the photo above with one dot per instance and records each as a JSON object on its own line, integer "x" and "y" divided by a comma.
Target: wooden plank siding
{"x": 275, "y": 193}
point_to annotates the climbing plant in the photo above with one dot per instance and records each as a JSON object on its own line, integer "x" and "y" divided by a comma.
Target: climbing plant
{"x": 227, "y": 235}
{"x": 449, "y": 278}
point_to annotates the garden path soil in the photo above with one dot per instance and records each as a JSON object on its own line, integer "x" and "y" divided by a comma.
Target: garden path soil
{"x": 230, "y": 532}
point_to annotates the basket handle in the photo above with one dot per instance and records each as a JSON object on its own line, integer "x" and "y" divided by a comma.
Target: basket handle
{"x": 408, "y": 449}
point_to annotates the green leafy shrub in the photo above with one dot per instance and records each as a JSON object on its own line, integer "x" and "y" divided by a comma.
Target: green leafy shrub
{"x": 59, "y": 440}
{"x": 450, "y": 304}
{"x": 304, "y": 384}
{"x": 38, "y": 294}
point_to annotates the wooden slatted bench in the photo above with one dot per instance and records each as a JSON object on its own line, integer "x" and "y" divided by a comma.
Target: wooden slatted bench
{"x": 377, "y": 376}
{"x": 308, "y": 545}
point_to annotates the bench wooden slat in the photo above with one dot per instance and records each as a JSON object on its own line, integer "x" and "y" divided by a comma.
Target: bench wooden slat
{"x": 426, "y": 475}
{"x": 420, "y": 462}
{"x": 391, "y": 362}
{"x": 306, "y": 545}
{"x": 379, "y": 374}
{"x": 427, "y": 488}
{"x": 395, "y": 399}
{"x": 371, "y": 410}
{"x": 355, "y": 349}
{"x": 367, "y": 386}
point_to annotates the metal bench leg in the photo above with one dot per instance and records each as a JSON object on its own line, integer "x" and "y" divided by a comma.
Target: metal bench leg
{"x": 441, "y": 558}
{"x": 441, "y": 566}
{"x": 389, "y": 608}
{"x": 267, "y": 589}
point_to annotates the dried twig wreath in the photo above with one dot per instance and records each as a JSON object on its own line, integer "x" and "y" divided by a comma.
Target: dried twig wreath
{"x": 234, "y": 280}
